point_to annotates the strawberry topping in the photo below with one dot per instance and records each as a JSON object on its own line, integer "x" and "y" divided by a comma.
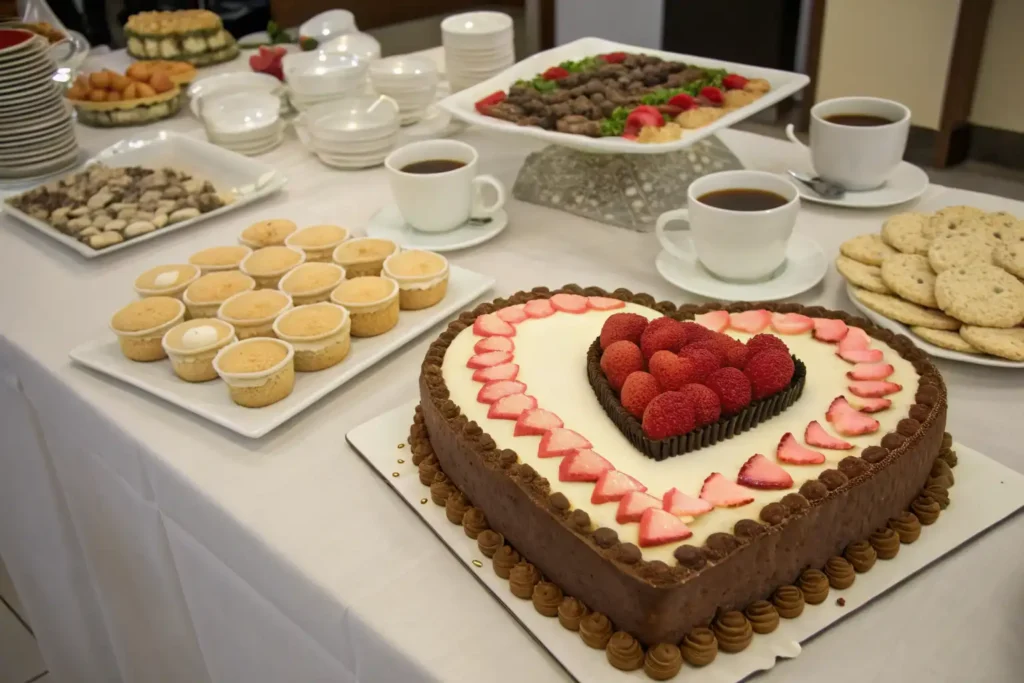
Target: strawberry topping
{"x": 671, "y": 371}
{"x": 492, "y": 391}
{"x": 790, "y": 451}
{"x": 668, "y": 414}
{"x": 769, "y": 372}
{"x": 815, "y": 435}
{"x": 638, "y": 391}
{"x": 829, "y": 330}
{"x": 613, "y": 485}
{"x": 871, "y": 389}
{"x": 870, "y": 405}
{"x": 536, "y": 422}
{"x": 761, "y": 473}
{"x": 569, "y": 303}
{"x": 715, "y": 320}
{"x": 604, "y": 303}
{"x": 494, "y": 344}
{"x": 585, "y": 465}
{"x": 678, "y": 503}
{"x": 856, "y": 339}
{"x": 632, "y": 506}
{"x": 619, "y": 361}
{"x": 496, "y": 372}
{"x": 733, "y": 389}
{"x": 561, "y": 441}
{"x": 490, "y": 325}
{"x": 512, "y": 314}
{"x": 723, "y": 493}
{"x": 862, "y": 371}
{"x": 658, "y": 527}
{"x": 763, "y": 342}
{"x": 491, "y": 358}
{"x": 791, "y": 323}
{"x": 511, "y": 407}
{"x": 860, "y": 355}
{"x": 750, "y": 321}
{"x": 663, "y": 334}
{"x": 849, "y": 421}
{"x": 539, "y": 308}
{"x": 706, "y": 406}
{"x": 704, "y": 362}
{"x": 622, "y": 327}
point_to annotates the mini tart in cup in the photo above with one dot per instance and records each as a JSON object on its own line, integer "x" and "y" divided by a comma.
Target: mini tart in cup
{"x": 220, "y": 258}
{"x": 140, "y": 326}
{"x": 258, "y": 372}
{"x": 363, "y": 256}
{"x": 204, "y": 296}
{"x": 268, "y": 265}
{"x": 422, "y": 278}
{"x": 253, "y": 313}
{"x": 311, "y": 283}
{"x": 318, "y": 241}
{"x": 192, "y": 345}
{"x": 166, "y": 280}
{"x": 267, "y": 233}
{"x": 319, "y": 333}
{"x": 372, "y": 303}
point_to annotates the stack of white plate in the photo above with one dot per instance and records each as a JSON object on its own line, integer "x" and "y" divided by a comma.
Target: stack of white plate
{"x": 358, "y": 132}
{"x": 316, "y": 77}
{"x": 410, "y": 81}
{"x": 477, "y": 46}
{"x": 36, "y": 129}
{"x": 249, "y": 123}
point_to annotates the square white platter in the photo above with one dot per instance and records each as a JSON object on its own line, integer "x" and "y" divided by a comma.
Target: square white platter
{"x": 249, "y": 180}
{"x": 210, "y": 399}
{"x": 985, "y": 493}
{"x": 784, "y": 84}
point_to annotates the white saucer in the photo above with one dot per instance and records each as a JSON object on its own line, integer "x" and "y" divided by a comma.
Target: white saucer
{"x": 908, "y": 182}
{"x": 388, "y": 224}
{"x": 805, "y": 266}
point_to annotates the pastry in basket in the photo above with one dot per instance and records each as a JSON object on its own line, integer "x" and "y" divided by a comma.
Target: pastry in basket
{"x": 195, "y": 36}
{"x": 145, "y": 93}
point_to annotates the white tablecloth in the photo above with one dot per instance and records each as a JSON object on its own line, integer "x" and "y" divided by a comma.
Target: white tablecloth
{"x": 149, "y": 545}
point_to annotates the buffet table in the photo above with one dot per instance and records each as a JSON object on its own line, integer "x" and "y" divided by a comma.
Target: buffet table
{"x": 148, "y": 545}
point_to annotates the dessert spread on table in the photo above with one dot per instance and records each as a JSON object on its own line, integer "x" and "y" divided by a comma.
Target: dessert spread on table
{"x": 685, "y": 552}
{"x": 146, "y": 92}
{"x": 194, "y": 36}
{"x": 953, "y": 276}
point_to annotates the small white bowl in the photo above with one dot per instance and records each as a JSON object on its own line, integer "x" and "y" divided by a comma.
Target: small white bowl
{"x": 476, "y": 29}
{"x": 402, "y": 70}
{"x": 353, "y": 118}
{"x": 333, "y": 22}
{"x": 236, "y": 81}
{"x": 241, "y": 116}
{"x": 323, "y": 73}
{"x": 362, "y": 45}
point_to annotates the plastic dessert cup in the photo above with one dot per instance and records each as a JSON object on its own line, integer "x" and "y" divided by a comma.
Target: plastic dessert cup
{"x": 268, "y": 265}
{"x": 372, "y": 303}
{"x": 204, "y": 296}
{"x": 170, "y": 280}
{"x": 422, "y": 278}
{"x": 267, "y": 233}
{"x": 363, "y": 256}
{"x": 318, "y": 241}
{"x": 258, "y": 372}
{"x": 191, "y": 358}
{"x": 220, "y": 258}
{"x": 140, "y": 326}
{"x": 311, "y": 283}
{"x": 253, "y": 313}
{"x": 319, "y": 333}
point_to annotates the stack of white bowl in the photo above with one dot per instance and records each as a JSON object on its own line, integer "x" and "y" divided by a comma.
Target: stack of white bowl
{"x": 329, "y": 24}
{"x": 410, "y": 81}
{"x": 317, "y": 77}
{"x": 357, "y": 132}
{"x": 361, "y": 45}
{"x": 37, "y": 133}
{"x": 249, "y": 123}
{"x": 233, "y": 82}
{"x": 477, "y": 46}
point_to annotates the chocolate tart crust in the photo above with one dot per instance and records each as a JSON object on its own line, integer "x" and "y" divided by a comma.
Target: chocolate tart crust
{"x": 654, "y": 602}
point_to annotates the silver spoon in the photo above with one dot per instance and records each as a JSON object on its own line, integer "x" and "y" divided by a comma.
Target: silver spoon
{"x": 820, "y": 186}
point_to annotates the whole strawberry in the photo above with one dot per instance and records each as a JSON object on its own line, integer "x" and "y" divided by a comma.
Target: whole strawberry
{"x": 669, "y": 414}
{"x": 619, "y": 360}
{"x": 622, "y": 327}
{"x": 769, "y": 372}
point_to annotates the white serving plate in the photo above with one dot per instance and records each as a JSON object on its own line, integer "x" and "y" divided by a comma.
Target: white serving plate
{"x": 784, "y": 84}
{"x": 250, "y": 179}
{"x": 210, "y": 399}
{"x": 930, "y": 349}
{"x": 985, "y": 493}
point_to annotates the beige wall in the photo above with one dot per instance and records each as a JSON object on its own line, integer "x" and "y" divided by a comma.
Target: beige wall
{"x": 998, "y": 97}
{"x": 899, "y": 50}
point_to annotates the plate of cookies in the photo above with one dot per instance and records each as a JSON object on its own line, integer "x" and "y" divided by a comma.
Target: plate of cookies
{"x": 951, "y": 280}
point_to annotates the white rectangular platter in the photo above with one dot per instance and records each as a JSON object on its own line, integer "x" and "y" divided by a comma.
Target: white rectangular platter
{"x": 210, "y": 399}
{"x": 249, "y": 179}
{"x": 784, "y": 84}
{"x": 985, "y": 493}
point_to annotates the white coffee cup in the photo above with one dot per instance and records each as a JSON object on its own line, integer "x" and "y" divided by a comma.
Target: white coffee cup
{"x": 439, "y": 202}
{"x": 857, "y": 157}
{"x": 740, "y": 246}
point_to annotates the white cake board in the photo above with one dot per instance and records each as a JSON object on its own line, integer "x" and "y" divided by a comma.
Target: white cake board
{"x": 985, "y": 493}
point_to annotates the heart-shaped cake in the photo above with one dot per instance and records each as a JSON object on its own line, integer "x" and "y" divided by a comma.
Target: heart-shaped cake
{"x": 662, "y": 546}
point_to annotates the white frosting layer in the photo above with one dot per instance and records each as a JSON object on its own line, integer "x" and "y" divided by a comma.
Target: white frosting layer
{"x": 552, "y": 357}
{"x": 198, "y": 337}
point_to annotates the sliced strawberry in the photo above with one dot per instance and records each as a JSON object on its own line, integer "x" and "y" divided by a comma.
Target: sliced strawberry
{"x": 683, "y": 101}
{"x": 856, "y": 339}
{"x": 539, "y": 308}
{"x": 678, "y": 503}
{"x": 759, "y": 472}
{"x": 862, "y": 371}
{"x": 512, "y": 314}
{"x": 494, "y": 344}
{"x": 860, "y": 355}
{"x": 604, "y": 303}
{"x": 714, "y": 320}
{"x": 791, "y": 323}
{"x": 569, "y": 303}
{"x": 489, "y": 359}
{"x": 658, "y": 527}
{"x": 792, "y": 452}
{"x": 496, "y": 372}
{"x": 490, "y": 325}
{"x": 829, "y": 330}
{"x": 734, "y": 82}
{"x": 870, "y": 405}
{"x": 712, "y": 94}
{"x": 632, "y": 506}
{"x": 613, "y": 485}
{"x": 511, "y": 407}
{"x": 815, "y": 435}
{"x": 723, "y": 493}
{"x": 848, "y": 421}
{"x": 536, "y": 422}
{"x": 561, "y": 441}
{"x": 643, "y": 116}
{"x": 750, "y": 321}
{"x": 870, "y": 389}
{"x": 585, "y": 465}
{"x": 492, "y": 391}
